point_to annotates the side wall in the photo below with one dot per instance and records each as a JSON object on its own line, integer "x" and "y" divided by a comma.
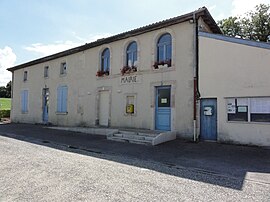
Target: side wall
{"x": 235, "y": 70}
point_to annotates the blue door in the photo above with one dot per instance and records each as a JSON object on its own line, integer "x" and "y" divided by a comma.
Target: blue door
{"x": 45, "y": 115}
{"x": 163, "y": 108}
{"x": 208, "y": 119}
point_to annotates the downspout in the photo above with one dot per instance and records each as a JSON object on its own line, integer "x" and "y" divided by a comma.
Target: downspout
{"x": 195, "y": 74}
{"x": 12, "y": 93}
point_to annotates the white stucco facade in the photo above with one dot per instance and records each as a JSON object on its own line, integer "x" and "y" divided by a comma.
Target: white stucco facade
{"x": 87, "y": 93}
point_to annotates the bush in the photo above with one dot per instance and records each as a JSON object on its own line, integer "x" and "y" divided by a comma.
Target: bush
{"x": 4, "y": 113}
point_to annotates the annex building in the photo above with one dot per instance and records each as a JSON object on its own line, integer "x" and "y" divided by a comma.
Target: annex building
{"x": 179, "y": 75}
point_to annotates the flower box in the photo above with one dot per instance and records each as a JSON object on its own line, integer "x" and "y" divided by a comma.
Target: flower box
{"x": 102, "y": 73}
{"x": 128, "y": 69}
{"x": 162, "y": 64}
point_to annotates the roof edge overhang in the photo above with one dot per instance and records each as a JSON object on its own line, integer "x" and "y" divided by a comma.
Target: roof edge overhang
{"x": 201, "y": 12}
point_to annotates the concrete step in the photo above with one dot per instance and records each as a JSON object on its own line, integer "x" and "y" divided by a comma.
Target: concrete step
{"x": 133, "y": 137}
{"x": 141, "y": 137}
{"x": 130, "y": 140}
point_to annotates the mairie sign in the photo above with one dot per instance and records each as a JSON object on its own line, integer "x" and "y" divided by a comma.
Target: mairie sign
{"x": 130, "y": 79}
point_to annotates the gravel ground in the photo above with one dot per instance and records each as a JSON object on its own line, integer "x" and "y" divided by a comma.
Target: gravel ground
{"x": 32, "y": 172}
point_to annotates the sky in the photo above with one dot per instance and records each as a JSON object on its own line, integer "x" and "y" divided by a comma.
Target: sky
{"x": 31, "y": 29}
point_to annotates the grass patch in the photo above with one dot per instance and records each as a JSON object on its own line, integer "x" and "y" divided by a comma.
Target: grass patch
{"x": 5, "y": 103}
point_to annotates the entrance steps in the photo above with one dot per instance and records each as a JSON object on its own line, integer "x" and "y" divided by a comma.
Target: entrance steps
{"x": 147, "y": 137}
{"x": 131, "y": 135}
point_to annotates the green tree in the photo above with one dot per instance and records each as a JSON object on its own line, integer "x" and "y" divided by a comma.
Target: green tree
{"x": 254, "y": 25}
{"x": 5, "y": 92}
{"x": 8, "y": 90}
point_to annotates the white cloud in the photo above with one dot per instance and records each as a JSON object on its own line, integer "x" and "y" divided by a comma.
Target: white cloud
{"x": 7, "y": 59}
{"x": 58, "y": 46}
{"x": 48, "y": 49}
{"x": 240, "y": 7}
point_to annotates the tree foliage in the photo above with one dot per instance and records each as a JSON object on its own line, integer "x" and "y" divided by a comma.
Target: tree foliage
{"x": 5, "y": 92}
{"x": 254, "y": 25}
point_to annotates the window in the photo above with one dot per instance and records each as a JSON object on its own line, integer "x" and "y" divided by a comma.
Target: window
{"x": 260, "y": 109}
{"x": 62, "y": 93}
{"x": 63, "y": 68}
{"x": 24, "y": 101}
{"x": 25, "y": 76}
{"x": 249, "y": 109}
{"x": 237, "y": 109}
{"x": 46, "y": 71}
{"x": 105, "y": 61}
{"x": 131, "y": 54}
{"x": 164, "y": 48}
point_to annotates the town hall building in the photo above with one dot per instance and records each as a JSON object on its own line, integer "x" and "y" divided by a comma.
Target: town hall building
{"x": 179, "y": 75}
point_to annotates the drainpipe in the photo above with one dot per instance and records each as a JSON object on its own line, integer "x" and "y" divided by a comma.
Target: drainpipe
{"x": 195, "y": 74}
{"x": 12, "y": 93}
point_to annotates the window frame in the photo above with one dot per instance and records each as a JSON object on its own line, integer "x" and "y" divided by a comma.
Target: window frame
{"x": 25, "y": 76}
{"x": 105, "y": 59}
{"x": 249, "y": 110}
{"x": 63, "y": 68}
{"x": 133, "y": 52}
{"x": 166, "y": 46}
{"x": 46, "y": 72}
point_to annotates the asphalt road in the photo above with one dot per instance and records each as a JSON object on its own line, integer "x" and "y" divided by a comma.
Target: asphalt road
{"x": 35, "y": 172}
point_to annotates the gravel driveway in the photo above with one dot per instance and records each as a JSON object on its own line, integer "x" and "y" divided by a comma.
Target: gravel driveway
{"x": 34, "y": 172}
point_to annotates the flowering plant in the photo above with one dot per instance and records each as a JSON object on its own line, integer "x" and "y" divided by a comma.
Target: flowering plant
{"x": 102, "y": 73}
{"x": 128, "y": 69}
{"x": 166, "y": 62}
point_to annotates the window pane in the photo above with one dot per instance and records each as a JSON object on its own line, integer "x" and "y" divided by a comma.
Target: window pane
{"x": 129, "y": 59}
{"x": 237, "y": 109}
{"x": 260, "y": 117}
{"x": 131, "y": 54}
{"x": 105, "y": 60}
{"x": 132, "y": 47}
{"x": 25, "y": 75}
{"x": 260, "y": 109}
{"x": 164, "y": 98}
{"x": 165, "y": 38}
{"x": 164, "y": 48}
{"x": 46, "y": 71}
{"x": 168, "y": 52}
{"x": 134, "y": 57}
{"x": 161, "y": 54}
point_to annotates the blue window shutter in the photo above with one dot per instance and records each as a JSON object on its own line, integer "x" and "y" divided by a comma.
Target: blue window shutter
{"x": 64, "y": 98}
{"x": 59, "y": 100}
{"x": 26, "y": 100}
{"x": 22, "y": 101}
